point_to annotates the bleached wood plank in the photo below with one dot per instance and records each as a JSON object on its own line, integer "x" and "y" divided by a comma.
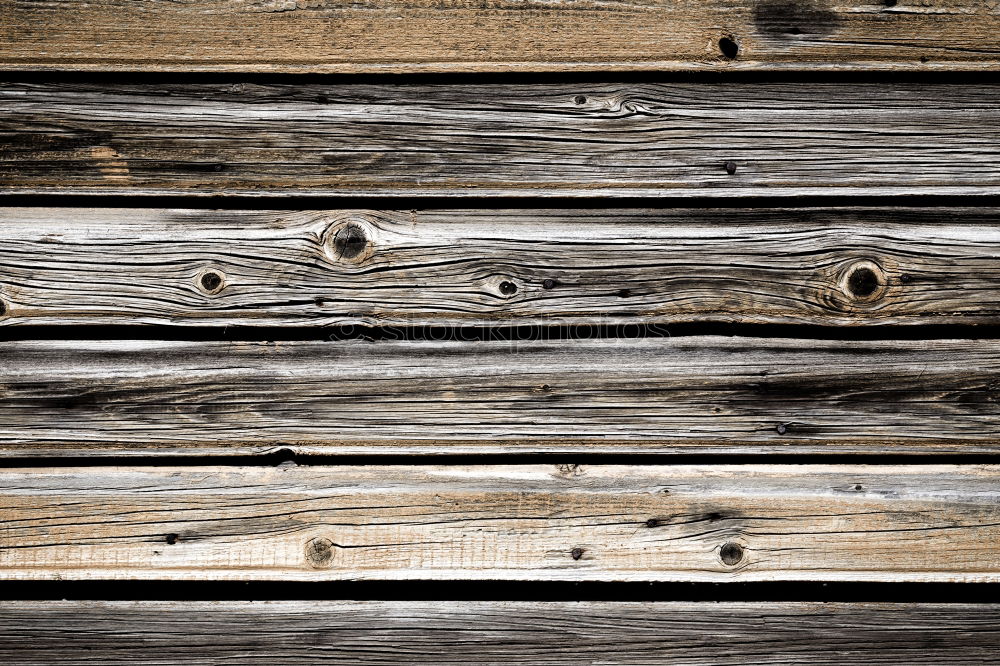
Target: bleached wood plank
{"x": 863, "y": 266}
{"x": 726, "y": 139}
{"x": 540, "y": 522}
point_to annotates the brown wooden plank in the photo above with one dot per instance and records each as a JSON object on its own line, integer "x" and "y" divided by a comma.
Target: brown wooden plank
{"x": 694, "y": 394}
{"x": 496, "y": 632}
{"x": 721, "y": 138}
{"x": 392, "y": 35}
{"x": 523, "y": 522}
{"x": 863, "y": 266}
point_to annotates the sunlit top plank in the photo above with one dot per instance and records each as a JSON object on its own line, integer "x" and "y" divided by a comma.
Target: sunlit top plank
{"x": 510, "y": 35}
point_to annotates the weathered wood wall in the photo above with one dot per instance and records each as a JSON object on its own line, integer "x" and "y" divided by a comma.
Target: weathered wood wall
{"x": 483, "y": 264}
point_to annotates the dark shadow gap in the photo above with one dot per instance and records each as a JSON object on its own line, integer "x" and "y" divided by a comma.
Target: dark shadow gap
{"x": 288, "y": 457}
{"x": 536, "y": 332}
{"x": 599, "y": 74}
{"x": 328, "y": 202}
{"x": 427, "y": 590}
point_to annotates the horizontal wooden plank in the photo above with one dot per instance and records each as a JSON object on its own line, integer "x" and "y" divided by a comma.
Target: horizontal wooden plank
{"x": 392, "y": 35}
{"x": 496, "y": 632}
{"x": 520, "y": 522}
{"x": 694, "y": 394}
{"x": 286, "y": 268}
{"x": 584, "y": 139}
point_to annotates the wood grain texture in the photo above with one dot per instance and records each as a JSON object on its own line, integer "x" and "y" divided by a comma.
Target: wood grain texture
{"x": 694, "y": 394}
{"x": 552, "y": 522}
{"x": 66, "y": 266}
{"x": 496, "y": 632}
{"x": 408, "y": 35}
{"x": 587, "y": 139}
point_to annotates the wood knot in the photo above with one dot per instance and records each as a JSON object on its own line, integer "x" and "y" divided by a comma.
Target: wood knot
{"x": 731, "y": 553}
{"x": 211, "y": 281}
{"x": 508, "y": 288}
{"x": 171, "y": 538}
{"x": 576, "y": 553}
{"x": 729, "y": 47}
{"x": 863, "y": 281}
{"x": 3, "y": 308}
{"x": 319, "y": 552}
{"x": 549, "y": 283}
{"x": 350, "y": 242}
{"x": 579, "y": 100}
{"x": 731, "y": 168}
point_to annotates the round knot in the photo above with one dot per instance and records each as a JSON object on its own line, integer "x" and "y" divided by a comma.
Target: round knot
{"x": 731, "y": 553}
{"x": 350, "y": 242}
{"x": 319, "y": 552}
{"x": 211, "y": 281}
{"x": 863, "y": 281}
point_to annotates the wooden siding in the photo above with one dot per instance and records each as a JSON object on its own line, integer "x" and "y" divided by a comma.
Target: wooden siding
{"x": 721, "y": 138}
{"x": 553, "y": 522}
{"x": 694, "y": 394}
{"x": 370, "y": 633}
{"x": 407, "y": 36}
{"x": 194, "y": 267}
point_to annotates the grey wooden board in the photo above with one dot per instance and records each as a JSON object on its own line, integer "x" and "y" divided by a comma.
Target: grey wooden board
{"x": 517, "y": 522}
{"x": 465, "y": 139}
{"x": 40, "y": 633}
{"x": 68, "y": 266}
{"x": 693, "y": 394}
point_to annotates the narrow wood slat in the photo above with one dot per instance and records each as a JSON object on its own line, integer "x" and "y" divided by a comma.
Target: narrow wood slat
{"x": 287, "y": 268}
{"x": 584, "y": 139}
{"x": 496, "y": 632}
{"x": 552, "y": 522}
{"x": 392, "y": 35}
{"x": 706, "y": 394}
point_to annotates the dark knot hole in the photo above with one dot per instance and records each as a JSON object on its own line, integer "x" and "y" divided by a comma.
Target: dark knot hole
{"x": 863, "y": 282}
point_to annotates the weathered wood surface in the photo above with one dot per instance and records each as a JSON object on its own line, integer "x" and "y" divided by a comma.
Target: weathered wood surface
{"x": 551, "y": 522}
{"x": 694, "y": 394}
{"x": 496, "y": 632}
{"x": 287, "y": 268}
{"x": 396, "y": 35}
{"x": 587, "y": 139}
